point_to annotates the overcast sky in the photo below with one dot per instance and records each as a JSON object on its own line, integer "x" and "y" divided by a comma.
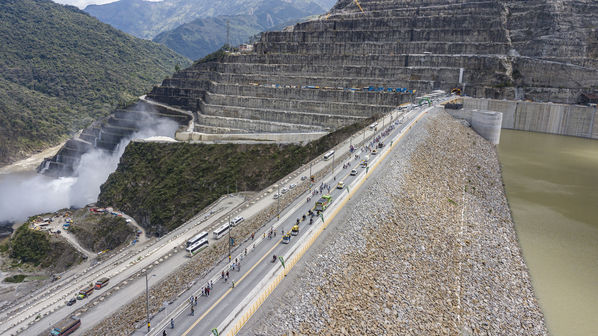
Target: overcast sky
{"x": 83, "y": 3}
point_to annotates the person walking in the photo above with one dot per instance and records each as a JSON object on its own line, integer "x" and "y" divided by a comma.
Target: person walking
{"x": 252, "y": 235}
{"x": 196, "y": 300}
{"x": 192, "y": 311}
{"x": 171, "y": 323}
{"x": 164, "y": 332}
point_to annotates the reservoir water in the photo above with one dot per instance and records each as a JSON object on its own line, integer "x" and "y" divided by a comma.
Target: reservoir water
{"x": 552, "y": 187}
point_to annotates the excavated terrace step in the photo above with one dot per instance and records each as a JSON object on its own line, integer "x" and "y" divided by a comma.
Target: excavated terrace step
{"x": 253, "y": 125}
{"x": 382, "y": 48}
{"x": 315, "y": 121}
{"x": 481, "y": 34}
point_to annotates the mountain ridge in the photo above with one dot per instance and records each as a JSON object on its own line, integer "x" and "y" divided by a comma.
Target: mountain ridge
{"x": 147, "y": 19}
{"x": 61, "y": 69}
{"x": 202, "y": 36}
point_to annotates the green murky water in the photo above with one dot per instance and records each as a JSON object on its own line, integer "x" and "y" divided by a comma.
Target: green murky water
{"x": 552, "y": 187}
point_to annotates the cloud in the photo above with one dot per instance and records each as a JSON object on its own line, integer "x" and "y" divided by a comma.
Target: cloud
{"x": 83, "y": 3}
{"x": 27, "y": 194}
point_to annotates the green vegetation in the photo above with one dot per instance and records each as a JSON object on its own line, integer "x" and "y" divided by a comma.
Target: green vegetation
{"x": 15, "y": 278}
{"x": 29, "y": 245}
{"x": 39, "y": 249}
{"x": 98, "y": 232}
{"x": 163, "y": 185}
{"x": 60, "y": 69}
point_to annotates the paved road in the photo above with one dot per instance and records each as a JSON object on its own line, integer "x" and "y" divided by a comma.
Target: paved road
{"x": 225, "y": 303}
{"x": 50, "y": 300}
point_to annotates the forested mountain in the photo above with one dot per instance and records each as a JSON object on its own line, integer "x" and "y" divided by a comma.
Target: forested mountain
{"x": 205, "y": 35}
{"x": 147, "y": 19}
{"x": 61, "y": 68}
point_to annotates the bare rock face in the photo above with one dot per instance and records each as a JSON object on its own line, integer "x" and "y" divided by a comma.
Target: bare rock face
{"x": 541, "y": 50}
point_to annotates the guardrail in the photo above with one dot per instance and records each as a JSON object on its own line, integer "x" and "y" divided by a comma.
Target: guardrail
{"x": 338, "y": 205}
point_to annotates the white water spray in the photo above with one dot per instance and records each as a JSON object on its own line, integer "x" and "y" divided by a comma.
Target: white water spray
{"x": 26, "y": 194}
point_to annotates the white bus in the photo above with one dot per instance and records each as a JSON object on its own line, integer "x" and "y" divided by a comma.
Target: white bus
{"x": 198, "y": 246}
{"x": 328, "y": 155}
{"x": 197, "y": 238}
{"x": 237, "y": 220}
{"x": 221, "y": 231}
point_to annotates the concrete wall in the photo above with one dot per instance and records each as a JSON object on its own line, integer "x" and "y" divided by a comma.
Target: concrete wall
{"x": 265, "y": 137}
{"x": 562, "y": 119}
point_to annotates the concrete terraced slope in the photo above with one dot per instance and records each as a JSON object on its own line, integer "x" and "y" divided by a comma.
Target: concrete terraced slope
{"x": 540, "y": 50}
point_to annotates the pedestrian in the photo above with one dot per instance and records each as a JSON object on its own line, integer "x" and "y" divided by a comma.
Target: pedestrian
{"x": 233, "y": 282}
{"x": 222, "y": 275}
{"x": 227, "y": 274}
{"x": 211, "y": 284}
{"x": 171, "y": 323}
{"x": 196, "y": 300}
{"x": 225, "y": 278}
{"x": 192, "y": 311}
{"x": 252, "y": 234}
{"x": 208, "y": 291}
{"x": 246, "y": 247}
{"x": 191, "y": 300}
{"x": 164, "y": 332}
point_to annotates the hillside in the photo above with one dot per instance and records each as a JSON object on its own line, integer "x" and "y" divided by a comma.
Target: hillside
{"x": 38, "y": 248}
{"x": 205, "y": 35}
{"x": 163, "y": 185}
{"x": 147, "y": 19}
{"x": 60, "y": 69}
{"x": 98, "y": 232}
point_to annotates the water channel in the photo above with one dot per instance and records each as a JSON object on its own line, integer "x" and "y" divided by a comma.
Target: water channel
{"x": 552, "y": 187}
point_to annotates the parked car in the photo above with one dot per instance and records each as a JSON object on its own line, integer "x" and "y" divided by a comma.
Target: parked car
{"x": 276, "y": 196}
{"x": 292, "y": 186}
{"x": 283, "y": 190}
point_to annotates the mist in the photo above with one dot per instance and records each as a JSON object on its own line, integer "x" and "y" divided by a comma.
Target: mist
{"x": 26, "y": 194}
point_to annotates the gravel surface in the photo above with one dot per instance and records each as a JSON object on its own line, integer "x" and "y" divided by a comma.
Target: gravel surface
{"x": 429, "y": 248}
